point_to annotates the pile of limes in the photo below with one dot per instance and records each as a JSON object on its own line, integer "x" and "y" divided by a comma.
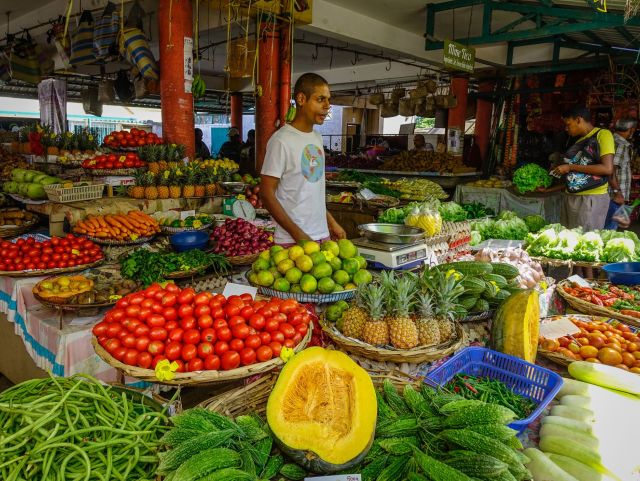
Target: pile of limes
{"x": 311, "y": 267}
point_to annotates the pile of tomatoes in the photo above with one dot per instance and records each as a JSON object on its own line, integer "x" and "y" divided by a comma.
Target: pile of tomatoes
{"x": 55, "y": 253}
{"x": 114, "y": 161}
{"x": 199, "y": 331}
{"x": 133, "y": 138}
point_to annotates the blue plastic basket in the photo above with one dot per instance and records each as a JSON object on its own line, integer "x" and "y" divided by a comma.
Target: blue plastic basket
{"x": 535, "y": 382}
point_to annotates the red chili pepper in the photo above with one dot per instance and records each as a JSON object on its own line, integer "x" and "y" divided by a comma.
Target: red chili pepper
{"x": 596, "y": 300}
{"x": 456, "y": 389}
{"x": 609, "y": 302}
{"x": 471, "y": 388}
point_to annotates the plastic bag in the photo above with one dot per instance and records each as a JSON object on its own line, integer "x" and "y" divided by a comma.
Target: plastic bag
{"x": 622, "y": 215}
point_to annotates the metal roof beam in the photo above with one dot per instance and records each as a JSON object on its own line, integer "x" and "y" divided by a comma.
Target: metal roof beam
{"x": 626, "y": 34}
{"x": 515, "y": 23}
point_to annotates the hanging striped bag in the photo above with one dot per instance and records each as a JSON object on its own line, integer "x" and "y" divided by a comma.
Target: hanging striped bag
{"x": 82, "y": 41}
{"x": 25, "y": 65}
{"x": 135, "y": 49}
{"x": 105, "y": 34}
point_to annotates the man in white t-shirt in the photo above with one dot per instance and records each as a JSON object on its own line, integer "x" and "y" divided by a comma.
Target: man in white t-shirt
{"x": 293, "y": 182}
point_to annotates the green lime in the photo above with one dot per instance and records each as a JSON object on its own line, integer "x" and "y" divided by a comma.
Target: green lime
{"x": 347, "y": 249}
{"x": 341, "y": 277}
{"x": 351, "y": 266}
{"x": 333, "y": 313}
{"x": 338, "y": 288}
{"x": 285, "y": 265}
{"x": 321, "y": 271}
{"x": 275, "y": 273}
{"x": 275, "y": 248}
{"x": 295, "y": 252}
{"x": 260, "y": 265}
{"x": 331, "y": 246}
{"x": 293, "y": 275}
{"x": 336, "y": 264}
{"x": 304, "y": 263}
{"x": 281, "y": 285}
{"x": 362, "y": 262}
{"x": 253, "y": 278}
{"x": 326, "y": 285}
{"x": 344, "y": 305}
{"x": 318, "y": 258}
{"x": 280, "y": 256}
{"x": 308, "y": 284}
{"x": 362, "y": 277}
{"x": 295, "y": 288}
{"x": 265, "y": 278}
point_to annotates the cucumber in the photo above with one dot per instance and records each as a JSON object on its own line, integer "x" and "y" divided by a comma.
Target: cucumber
{"x": 498, "y": 279}
{"x": 505, "y": 270}
{"x": 473, "y": 286}
{"x": 467, "y": 268}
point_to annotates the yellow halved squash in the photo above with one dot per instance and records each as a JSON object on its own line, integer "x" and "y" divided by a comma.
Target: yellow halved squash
{"x": 516, "y": 325}
{"x": 322, "y": 410}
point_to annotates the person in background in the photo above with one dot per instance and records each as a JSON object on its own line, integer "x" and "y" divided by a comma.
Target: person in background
{"x": 248, "y": 154}
{"x": 202, "y": 151}
{"x": 232, "y": 148}
{"x": 620, "y": 181}
{"x": 420, "y": 145}
{"x": 293, "y": 173}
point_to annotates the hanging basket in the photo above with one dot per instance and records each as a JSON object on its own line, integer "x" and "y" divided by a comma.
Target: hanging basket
{"x": 431, "y": 86}
{"x": 388, "y": 109}
{"x": 405, "y": 109}
{"x": 452, "y": 101}
{"x": 397, "y": 93}
{"x": 376, "y": 98}
{"x": 242, "y": 54}
{"x": 441, "y": 97}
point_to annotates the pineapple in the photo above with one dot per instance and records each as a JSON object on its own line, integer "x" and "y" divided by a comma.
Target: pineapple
{"x": 210, "y": 187}
{"x": 163, "y": 185}
{"x": 355, "y": 317}
{"x": 447, "y": 290}
{"x": 189, "y": 189}
{"x": 169, "y": 151}
{"x": 137, "y": 191}
{"x": 150, "y": 191}
{"x": 200, "y": 189}
{"x": 428, "y": 326}
{"x": 175, "y": 189}
{"x": 403, "y": 332}
{"x": 375, "y": 330}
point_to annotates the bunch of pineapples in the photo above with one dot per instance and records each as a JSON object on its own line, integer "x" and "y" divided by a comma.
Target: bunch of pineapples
{"x": 404, "y": 311}
{"x": 174, "y": 183}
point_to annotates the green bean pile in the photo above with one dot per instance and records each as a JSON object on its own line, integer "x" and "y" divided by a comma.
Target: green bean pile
{"x": 68, "y": 429}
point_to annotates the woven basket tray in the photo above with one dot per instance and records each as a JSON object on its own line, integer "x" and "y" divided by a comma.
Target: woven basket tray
{"x": 110, "y": 242}
{"x": 58, "y": 193}
{"x": 243, "y": 260}
{"x": 566, "y": 263}
{"x": 197, "y": 378}
{"x": 113, "y": 172}
{"x": 70, "y": 307}
{"x": 13, "y": 231}
{"x": 186, "y": 274}
{"x": 591, "y": 309}
{"x": 416, "y": 355}
{"x": 555, "y": 357}
{"x": 48, "y": 272}
{"x": 479, "y": 316}
{"x": 175, "y": 230}
{"x": 253, "y": 397}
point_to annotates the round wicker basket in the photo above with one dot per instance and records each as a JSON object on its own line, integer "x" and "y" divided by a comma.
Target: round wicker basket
{"x": 110, "y": 242}
{"x": 555, "y": 357}
{"x": 70, "y": 307}
{"x": 175, "y": 230}
{"x": 197, "y": 378}
{"x": 47, "y": 272}
{"x": 243, "y": 260}
{"x": 592, "y": 309}
{"x": 7, "y": 232}
{"x": 113, "y": 172}
{"x": 415, "y": 355}
{"x": 186, "y": 274}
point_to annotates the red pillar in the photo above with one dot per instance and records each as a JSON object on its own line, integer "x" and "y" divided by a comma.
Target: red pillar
{"x": 484, "y": 111}
{"x": 267, "y": 98}
{"x": 175, "y": 22}
{"x": 285, "y": 70}
{"x": 458, "y": 114}
{"x": 236, "y": 111}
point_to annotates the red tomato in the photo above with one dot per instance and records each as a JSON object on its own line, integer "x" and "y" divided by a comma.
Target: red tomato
{"x": 122, "y": 334}
{"x": 236, "y": 345}
{"x": 122, "y": 303}
{"x": 266, "y": 311}
{"x": 265, "y": 338}
{"x": 185, "y": 310}
{"x": 271, "y": 325}
{"x": 173, "y": 350}
{"x": 129, "y": 340}
{"x": 172, "y": 287}
{"x": 248, "y": 356}
{"x": 155, "y": 320}
{"x": 195, "y": 364}
{"x": 289, "y": 343}
{"x": 280, "y": 317}
{"x": 142, "y": 343}
{"x": 240, "y": 331}
{"x": 171, "y": 325}
{"x": 142, "y": 330}
{"x": 158, "y": 333}
{"x": 212, "y": 363}
{"x": 287, "y": 329}
{"x": 186, "y": 296}
{"x": 180, "y": 363}
{"x": 202, "y": 299}
{"x": 224, "y": 334}
{"x": 246, "y": 297}
{"x": 205, "y": 349}
{"x": 169, "y": 299}
{"x": 218, "y": 312}
{"x": 302, "y": 329}
{"x": 257, "y": 321}
{"x": 176, "y": 334}
{"x": 246, "y": 312}
{"x": 188, "y": 323}
{"x": 221, "y": 347}
{"x": 277, "y": 336}
{"x": 191, "y": 336}
{"x": 219, "y": 298}
{"x": 131, "y": 357}
{"x": 136, "y": 298}
{"x": 158, "y": 295}
{"x": 235, "y": 320}
{"x": 147, "y": 303}
{"x": 202, "y": 310}
{"x": 232, "y": 310}
{"x": 144, "y": 360}
{"x": 170, "y": 314}
{"x": 113, "y": 329}
{"x": 155, "y": 347}
{"x": 144, "y": 314}
{"x": 264, "y": 353}
{"x": 111, "y": 345}
{"x": 119, "y": 353}
{"x": 189, "y": 351}
{"x": 295, "y": 318}
{"x": 115, "y": 315}
{"x": 288, "y": 306}
{"x": 253, "y": 341}
{"x": 100, "y": 329}
{"x": 208, "y": 335}
{"x": 156, "y": 307}
{"x": 205, "y": 321}
{"x": 230, "y": 360}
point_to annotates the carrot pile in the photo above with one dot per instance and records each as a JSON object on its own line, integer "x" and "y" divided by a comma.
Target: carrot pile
{"x": 122, "y": 227}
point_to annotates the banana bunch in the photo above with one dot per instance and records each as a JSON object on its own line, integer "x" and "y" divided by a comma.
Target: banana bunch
{"x": 291, "y": 113}
{"x": 418, "y": 189}
{"x": 429, "y": 222}
{"x": 198, "y": 88}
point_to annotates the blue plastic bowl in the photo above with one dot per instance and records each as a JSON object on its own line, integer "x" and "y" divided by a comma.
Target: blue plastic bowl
{"x": 185, "y": 241}
{"x": 626, "y": 273}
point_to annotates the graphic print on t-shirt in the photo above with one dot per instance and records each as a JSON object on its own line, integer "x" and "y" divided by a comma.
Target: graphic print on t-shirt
{"x": 312, "y": 163}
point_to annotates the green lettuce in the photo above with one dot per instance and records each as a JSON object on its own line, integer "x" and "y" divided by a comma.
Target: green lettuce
{"x": 531, "y": 176}
{"x": 619, "y": 250}
{"x": 535, "y": 222}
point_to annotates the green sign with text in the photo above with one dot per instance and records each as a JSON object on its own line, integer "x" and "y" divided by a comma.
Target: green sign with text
{"x": 458, "y": 56}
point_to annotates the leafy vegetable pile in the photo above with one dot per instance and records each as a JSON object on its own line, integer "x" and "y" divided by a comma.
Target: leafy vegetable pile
{"x": 449, "y": 211}
{"x": 452, "y": 212}
{"x": 477, "y": 210}
{"x": 506, "y": 226}
{"x": 148, "y": 267}
{"x": 556, "y": 242}
{"x": 531, "y": 176}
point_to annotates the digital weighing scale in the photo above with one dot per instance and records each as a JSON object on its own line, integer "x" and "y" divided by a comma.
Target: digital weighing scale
{"x": 382, "y": 255}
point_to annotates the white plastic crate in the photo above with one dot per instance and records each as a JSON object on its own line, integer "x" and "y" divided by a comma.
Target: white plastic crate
{"x": 58, "y": 193}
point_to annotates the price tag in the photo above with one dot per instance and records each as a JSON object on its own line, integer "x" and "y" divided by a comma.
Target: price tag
{"x": 579, "y": 280}
{"x": 187, "y": 213}
{"x": 339, "y": 477}
{"x": 232, "y": 289}
{"x": 560, "y": 328}
{"x": 367, "y": 194}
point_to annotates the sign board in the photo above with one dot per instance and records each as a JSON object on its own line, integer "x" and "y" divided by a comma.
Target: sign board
{"x": 560, "y": 328}
{"x": 188, "y": 64}
{"x": 459, "y": 57}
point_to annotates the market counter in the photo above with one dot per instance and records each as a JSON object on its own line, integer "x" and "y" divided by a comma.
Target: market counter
{"x": 547, "y": 205}
{"x": 350, "y": 216}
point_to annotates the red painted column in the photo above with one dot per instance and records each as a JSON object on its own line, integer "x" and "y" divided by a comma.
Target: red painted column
{"x": 484, "y": 111}
{"x": 175, "y": 22}
{"x": 268, "y": 95}
{"x": 236, "y": 111}
{"x": 285, "y": 70}
{"x": 458, "y": 114}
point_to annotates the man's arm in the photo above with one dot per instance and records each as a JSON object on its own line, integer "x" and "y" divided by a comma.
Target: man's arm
{"x": 555, "y": 188}
{"x": 268, "y": 186}
{"x": 336, "y": 230}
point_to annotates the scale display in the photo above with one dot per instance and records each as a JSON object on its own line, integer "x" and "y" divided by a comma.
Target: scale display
{"x": 393, "y": 256}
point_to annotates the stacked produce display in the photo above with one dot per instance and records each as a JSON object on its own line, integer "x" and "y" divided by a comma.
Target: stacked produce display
{"x": 507, "y": 225}
{"x": 29, "y": 183}
{"x": 238, "y": 237}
